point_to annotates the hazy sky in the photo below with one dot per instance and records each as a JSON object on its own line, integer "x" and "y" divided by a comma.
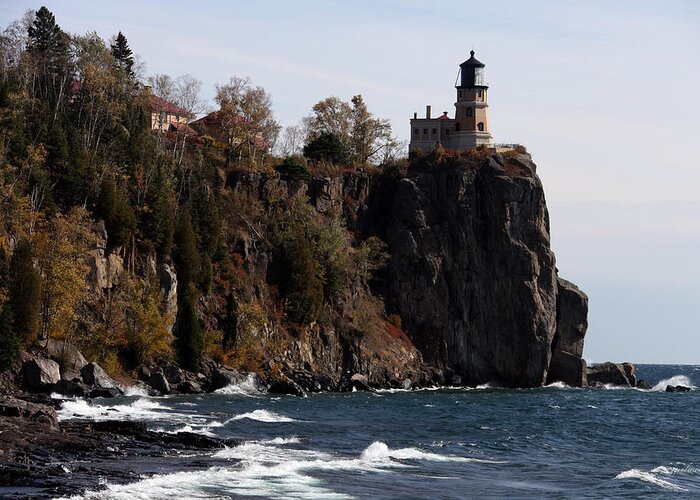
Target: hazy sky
{"x": 604, "y": 95}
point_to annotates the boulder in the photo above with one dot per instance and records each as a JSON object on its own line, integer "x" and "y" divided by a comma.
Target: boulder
{"x": 677, "y": 388}
{"x": 359, "y": 382}
{"x": 629, "y": 373}
{"x": 608, "y": 373}
{"x": 566, "y": 364}
{"x": 189, "y": 387}
{"x": 173, "y": 373}
{"x": 643, "y": 384}
{"x": 40, "y": 374}
{"x": 67, "y": 355}
{"x": 104, "y": 392}
{"x": 285, "y": 385}
{"x": 144, "y": 373}
{"x": 13, "y": 407}
{"x": 95, "y": 376}
{"x": 70, "y": 388}
{"x": 406, "y": 384}
{"x": 158, "y": 382}
{"x": 222, "y": 377}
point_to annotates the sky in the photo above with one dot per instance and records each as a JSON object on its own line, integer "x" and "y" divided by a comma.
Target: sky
{"x": 604, "y": 95}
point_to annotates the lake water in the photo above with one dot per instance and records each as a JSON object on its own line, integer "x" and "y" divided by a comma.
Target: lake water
{"x": 554, "y": 442}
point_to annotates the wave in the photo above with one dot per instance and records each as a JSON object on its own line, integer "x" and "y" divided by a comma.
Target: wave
{"x": 249, "y": 387}
{"x": 267, "y": 469}
{"x": 650, "y": 477}
{"x": 262, "y": 416}
{"x": 380, "y": 452}
{"x": 141, "y": 409}
{"x": 204, "y": 430}
{"x": 675, "y": 380}
{"x": 136, "y": 390}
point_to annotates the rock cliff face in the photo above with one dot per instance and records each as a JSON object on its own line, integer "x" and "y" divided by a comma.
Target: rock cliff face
{"x": 471, "y": 275}
{"x": 474, "y": 279}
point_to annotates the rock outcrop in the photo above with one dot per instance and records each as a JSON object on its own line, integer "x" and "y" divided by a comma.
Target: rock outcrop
{"x": 609, "y": 374}
{"x": 473, "y": 276}
{"x": 41, "y": 374}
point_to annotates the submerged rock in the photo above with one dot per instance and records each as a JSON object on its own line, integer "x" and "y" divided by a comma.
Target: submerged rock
{"x": 677, "y": 388}
{"x": 71, "y": 388}
{"x": 41, "y": 374}
{"x": 104, "y": 392}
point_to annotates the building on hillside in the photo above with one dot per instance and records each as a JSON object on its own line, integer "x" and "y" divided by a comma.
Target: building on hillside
{"x": 164, "y": 113}
{"x": 213, "y": 126}
{"x": 470, "y": 126}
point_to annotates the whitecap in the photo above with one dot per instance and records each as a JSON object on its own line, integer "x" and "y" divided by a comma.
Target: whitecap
{"x": 262, "y": 416}
{"x": 649, "y": 477}
{"x": 141, "y": 409}
{"x": 249, "y": 387}
{"x": 136, "y": 390}
{"x": 558, "y": 385}
{"x": 281, "y": 440}
{"x": 673, "y": 381}
{"x": 380, "y": 452}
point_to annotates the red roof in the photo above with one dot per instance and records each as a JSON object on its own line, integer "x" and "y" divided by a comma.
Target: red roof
{"x": 182, "y": 128}
{"x": 160, "y": 105}
{"x": 444, "y": 116}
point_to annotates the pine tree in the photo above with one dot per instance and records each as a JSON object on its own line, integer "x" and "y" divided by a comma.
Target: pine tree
{"x": 44, "y": 34}
{"x": 119, "y": 217}
{"x": 188, "y": 333}
{"x": 25, "y": 292}
{"x": 123, "y": 55}
{"x": 9, "y": 341}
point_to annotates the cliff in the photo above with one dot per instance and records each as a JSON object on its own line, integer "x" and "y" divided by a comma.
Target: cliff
{"x": 471, "y": 276}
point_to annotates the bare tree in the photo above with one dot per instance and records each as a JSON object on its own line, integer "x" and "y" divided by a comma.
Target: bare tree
{"x": 292, "y": 141}
{"x": 186, "y": 94}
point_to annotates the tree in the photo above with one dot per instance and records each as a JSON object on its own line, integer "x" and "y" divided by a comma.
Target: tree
{"x": 118, "y": 215}
{"x": 186, "y": 94}
{"x": 189, "y": 340}
{"x": 292, "y": 141}
{"x": 45, "y": 36}
{"x": 25, "y": 292}
{"x": 364, "y": 136}
{"x": 246, "y": 115}
{"x": 327, "y": 147}
{"x": 123, "y": 55}
{"x": 9, "y": 340}
{"x": 186, "y": 255}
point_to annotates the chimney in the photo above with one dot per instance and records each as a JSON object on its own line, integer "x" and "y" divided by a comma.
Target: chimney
{"x": 427, "y": 111}
{"x": 147, "y": 90}
{"x": 444, "y": 113}
{"x": 415, "y": 115}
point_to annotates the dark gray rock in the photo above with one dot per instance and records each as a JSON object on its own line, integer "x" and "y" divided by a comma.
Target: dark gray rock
{"x": 567, "y": 365}
{"x": 159, "y": 382}
{"x": 406, "y": 384}
{"x": 359, "y": 382}
{"x": 643, "y": 384}
{"x": 173, "y": 373}
{"x": 608, "y": 373}
{"x": 677, "y": 388}
{"x": 71, "y": 388}
{"x": 95, "y": 376}
{"x": 222, "y": 377}
{"x": 472, "y": 274}
{"x": 40, "y": 374}
{"x": 104, "y": 392}
{"x": 629, "y": 373}
{"x": 285, "y": 385}
{"x": 189, "y": 387}
{"x": 143, "y": 373}
{"x": 14, "y": 407}
{"x": 67, "y": 355}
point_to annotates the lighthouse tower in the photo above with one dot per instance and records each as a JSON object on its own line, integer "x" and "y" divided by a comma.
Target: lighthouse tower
{"x": 470, "y": 126}
{"x": 472, "y": 106}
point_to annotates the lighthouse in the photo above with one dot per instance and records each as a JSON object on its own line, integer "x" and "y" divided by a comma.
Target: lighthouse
{"x": 470, "y": 126}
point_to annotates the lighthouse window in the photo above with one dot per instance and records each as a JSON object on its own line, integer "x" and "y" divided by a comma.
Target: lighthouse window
{"x": 470, "y": 111}
{"x": 434, "y": 131}
{"x": 416, "y": 131}
{"x": 480, "y": 126}
{"x": 425, "y": 131}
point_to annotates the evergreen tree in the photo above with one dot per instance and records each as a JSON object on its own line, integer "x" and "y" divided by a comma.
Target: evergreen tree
{"x": 189, "y": 340}
{"x": 188, "y": 333}
{"x": 9, "y": 341}
{"x": 186, "y": 255}
{"x": 25, "y": 292}
{"x": 45, "y": 35}
{"x": 327, "y": 147}
{"x": 119, "y": 217}
{"x": 123, "y": 55}
{"x": 231, "y": 323}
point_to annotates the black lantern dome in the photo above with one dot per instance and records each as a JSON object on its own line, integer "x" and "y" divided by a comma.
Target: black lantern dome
{"x": 472, "y": 74}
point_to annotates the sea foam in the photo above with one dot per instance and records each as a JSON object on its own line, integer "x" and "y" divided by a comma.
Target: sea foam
{"x": 262, "y": 416}
{"x": 674, "y": 381}
{"x": 650, "y": 477}
{"x": 249, "y": 387}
